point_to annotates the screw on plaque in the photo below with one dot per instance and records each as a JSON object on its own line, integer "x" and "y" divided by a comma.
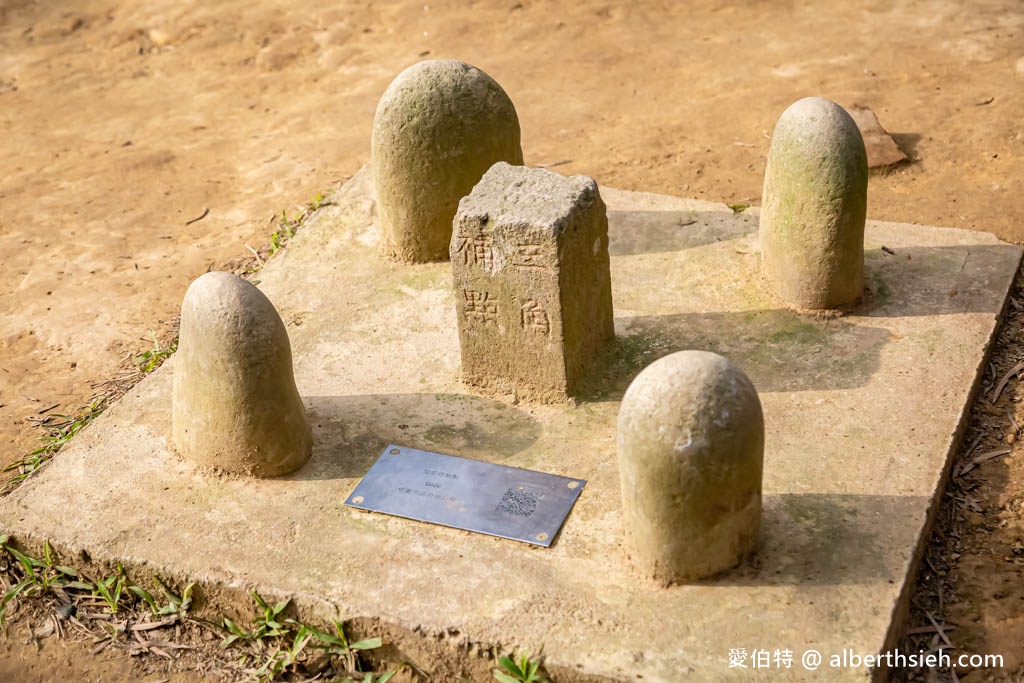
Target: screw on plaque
{"x": 395, "y": 451}
{"x": 573, "y": 484}
{"x": 357, "y": 500}
{"x": 542, "y": 537}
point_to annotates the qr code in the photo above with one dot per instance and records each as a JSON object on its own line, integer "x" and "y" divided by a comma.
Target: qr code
{"x": 518, "y": 502}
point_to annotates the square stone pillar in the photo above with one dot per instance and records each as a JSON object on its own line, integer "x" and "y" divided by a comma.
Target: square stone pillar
{"x": 533, "y": 293}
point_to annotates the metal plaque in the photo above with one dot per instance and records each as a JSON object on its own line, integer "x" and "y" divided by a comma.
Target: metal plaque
{"x": 467, "y": 494}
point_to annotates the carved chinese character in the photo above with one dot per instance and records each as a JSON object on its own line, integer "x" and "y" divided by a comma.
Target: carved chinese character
{"x": 480, "y": 306}
{"x": 477, "y": 250}
{"x": 529, "y": 256}
{"x": 534, "y": 318}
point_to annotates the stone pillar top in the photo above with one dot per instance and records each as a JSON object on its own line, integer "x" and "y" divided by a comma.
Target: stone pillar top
{"x": 530, "y": 199}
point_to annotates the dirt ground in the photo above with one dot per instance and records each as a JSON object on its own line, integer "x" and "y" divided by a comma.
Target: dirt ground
{"x": 123, "y": 121}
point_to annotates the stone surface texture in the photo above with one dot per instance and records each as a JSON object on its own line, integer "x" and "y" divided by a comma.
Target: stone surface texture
{"x": 691, "y": 452}
{"x": 438, "y": 128}
{"x": 814, "y": 206}
{"x": 234, "y": 402}
{"x": 860, "y": 414}
{"x": 532, "y": 285}
{"x": 880, "y": 148}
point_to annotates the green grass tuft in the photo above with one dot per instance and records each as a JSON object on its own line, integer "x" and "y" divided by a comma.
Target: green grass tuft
{"x": 56, "y": 439}
{"x": 524, "y": 670}
{"x": 151, "y": 359}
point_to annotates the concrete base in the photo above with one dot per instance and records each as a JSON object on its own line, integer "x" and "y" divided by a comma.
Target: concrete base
{"x": 861, "y": 414}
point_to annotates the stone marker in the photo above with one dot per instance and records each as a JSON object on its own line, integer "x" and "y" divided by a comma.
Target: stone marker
{"x": 439, "y": 126}
{"x": 691, "y": 446}
{"x": 814, "y": 206}
{"x": 533, "y": 293}
{"x": 235, "y": 405}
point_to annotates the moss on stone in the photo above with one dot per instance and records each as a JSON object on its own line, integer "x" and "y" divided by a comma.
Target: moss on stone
{"x": 814, "y": 207}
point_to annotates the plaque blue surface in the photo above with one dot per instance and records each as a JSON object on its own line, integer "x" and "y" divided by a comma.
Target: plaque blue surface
{"x": 498, "y": 500}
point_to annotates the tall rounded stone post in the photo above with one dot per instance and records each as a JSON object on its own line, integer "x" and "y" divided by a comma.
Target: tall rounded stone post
{"x": 691, "y": 447}
{"x": 439, "y": 126}
{"x": 235, "y": 405}
{"x": 814, "y": 205}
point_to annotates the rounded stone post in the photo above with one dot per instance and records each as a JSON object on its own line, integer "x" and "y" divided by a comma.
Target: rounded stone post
{"x": 235, "y": 407}
{"x": 439, "y": 126}
{"x": 813, "y": 207}
{"x": 691, "y": 448}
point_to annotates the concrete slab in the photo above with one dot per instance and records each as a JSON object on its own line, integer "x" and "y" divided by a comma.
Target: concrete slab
{"x": 861, "y": 413}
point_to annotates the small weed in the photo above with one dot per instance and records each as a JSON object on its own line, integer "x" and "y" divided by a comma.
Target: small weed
{"x": 738, "y": 208}
{"x": 40, "y": 576}
{"x": 267, "y": 626}
{"x": 282, "y": 235}
{"x": 274, "y": 648}
{"x": 281, "y": 659}
{"x": 337, "y": 644}
{"x": 59, "y": 435}
{"x": 151, "y": 359}
{"x": 292, "y": 645}
{"x": 177, "y": 605}
{"x": 111, "y": 588}
{"x": 62, "y": 432}
{"x": 371, "y": 678}
{"x": 526, "y": 670}
{"x": 289, "y": 227}
{"x": 71, "y": 426}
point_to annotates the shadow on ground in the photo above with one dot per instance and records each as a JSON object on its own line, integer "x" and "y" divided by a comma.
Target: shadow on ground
{"x": 650, "y": 232}
{"x": 824, "y": 539}
{"x": 351, "y": 431}
{"x": 780, "y": 350}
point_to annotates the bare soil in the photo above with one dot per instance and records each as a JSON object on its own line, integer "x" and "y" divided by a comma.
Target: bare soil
{"x": 123, "y": 121}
